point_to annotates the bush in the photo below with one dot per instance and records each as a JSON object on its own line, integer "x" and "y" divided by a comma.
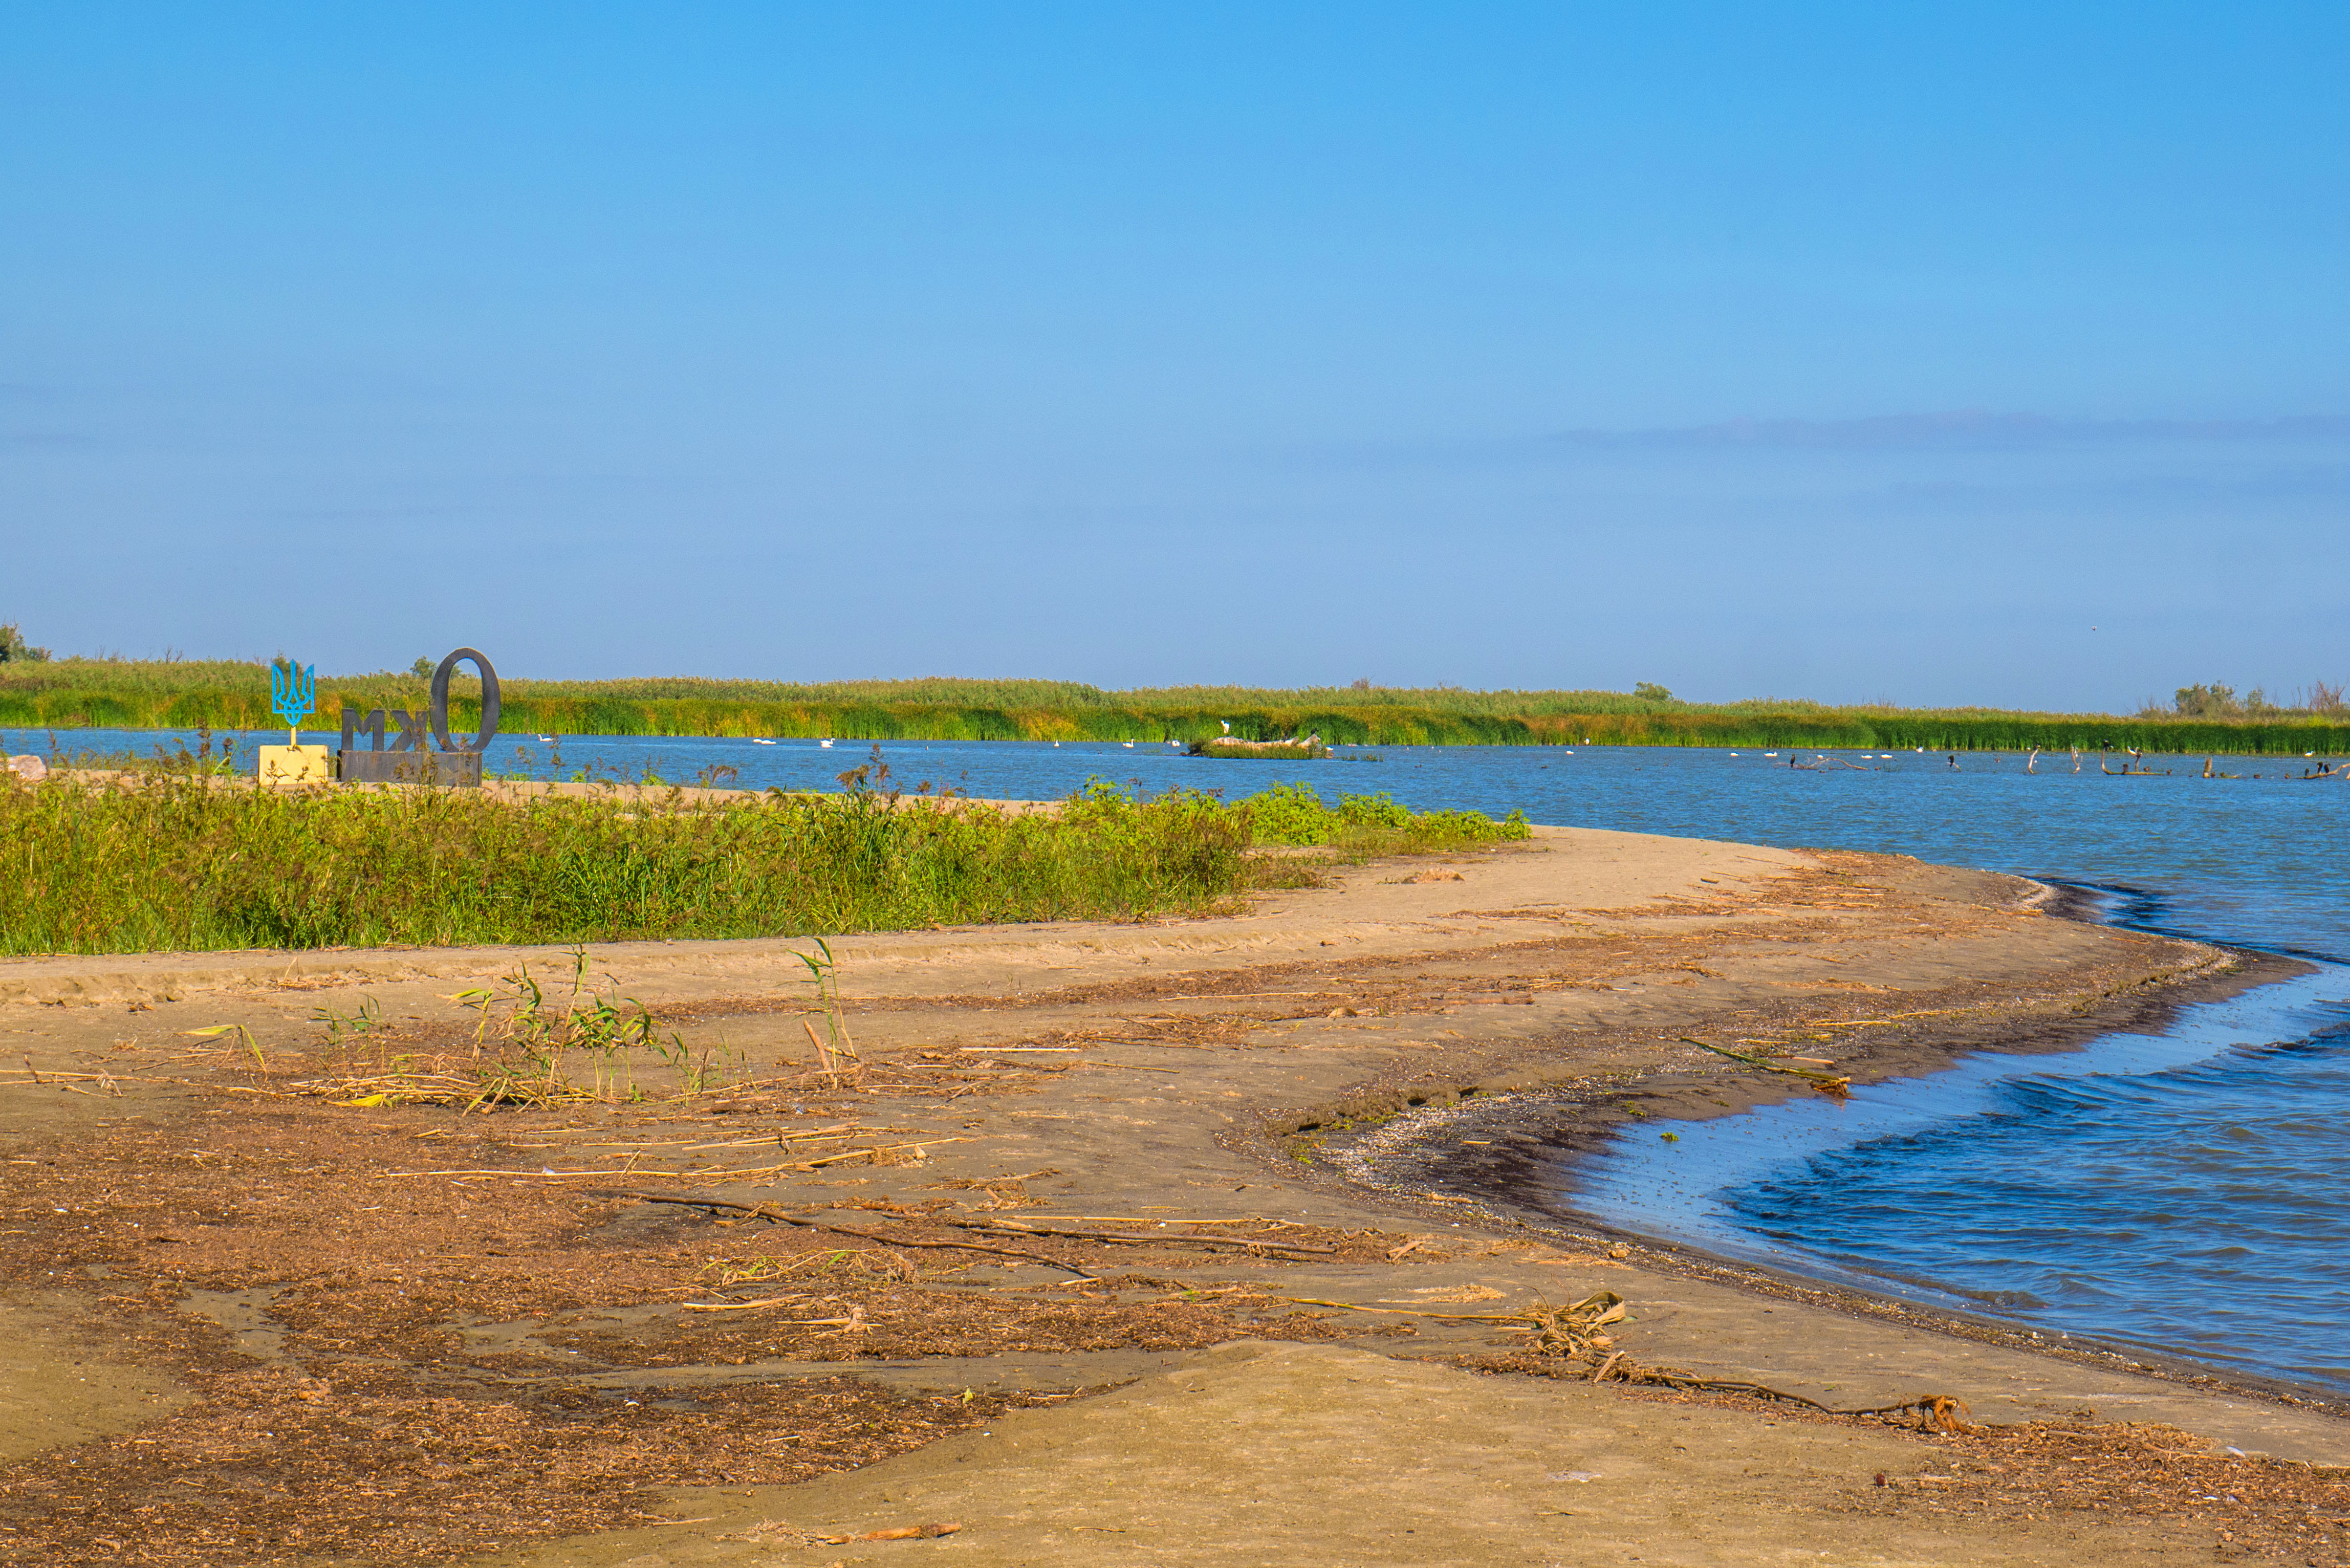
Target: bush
{"x": 1293, "y": 814}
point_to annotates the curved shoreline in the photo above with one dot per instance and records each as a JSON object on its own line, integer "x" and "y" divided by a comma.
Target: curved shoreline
{"x": 1157, "y": 1084}
{"x": 1532, "y": 1137}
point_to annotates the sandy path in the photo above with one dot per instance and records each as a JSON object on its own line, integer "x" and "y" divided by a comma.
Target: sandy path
{"x": 1177, "y": 1070}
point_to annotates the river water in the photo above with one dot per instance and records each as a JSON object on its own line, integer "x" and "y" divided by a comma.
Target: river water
{"x": 2187, "y": 1191}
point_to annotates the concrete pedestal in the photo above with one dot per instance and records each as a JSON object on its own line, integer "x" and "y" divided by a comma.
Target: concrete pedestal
{"x": 452, "y": 769}
{"x": 296, "y": 764}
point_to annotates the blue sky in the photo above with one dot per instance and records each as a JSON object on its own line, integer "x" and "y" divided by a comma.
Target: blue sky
{"x": 1857, "y": 352}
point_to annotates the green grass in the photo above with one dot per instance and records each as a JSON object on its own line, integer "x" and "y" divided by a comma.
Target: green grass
{"x": 176, "y": 860}
{"x": 75, "y": 693}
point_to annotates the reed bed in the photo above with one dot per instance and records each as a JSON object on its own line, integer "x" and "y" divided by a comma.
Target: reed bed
{"x": 222, "y": 694}
{"x": 166, "y": 860}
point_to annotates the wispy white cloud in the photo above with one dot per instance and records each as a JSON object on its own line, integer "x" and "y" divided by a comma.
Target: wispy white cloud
{"x": 1978, "y": 429}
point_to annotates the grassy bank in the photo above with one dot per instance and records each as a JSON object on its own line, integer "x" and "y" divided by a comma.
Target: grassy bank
{"x": 179, "y": 861}
{"x": 76, "y": 693}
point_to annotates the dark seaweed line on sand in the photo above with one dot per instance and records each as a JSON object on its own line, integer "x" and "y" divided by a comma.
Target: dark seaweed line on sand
{"x": 1510, "y": 1181}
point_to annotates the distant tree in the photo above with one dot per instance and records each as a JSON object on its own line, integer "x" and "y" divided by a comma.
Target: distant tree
{"x": 1362, "y": 683}
{"x": 2216, "y": 700}
{"x": 14, "y": 649}
{"x": 2324, "y": 698}
{"x": 1649, "y": 692}
{"x": 423, "y": 666}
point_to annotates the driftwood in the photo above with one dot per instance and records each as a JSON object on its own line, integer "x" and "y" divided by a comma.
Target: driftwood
{"x": 760, "y": 1211}
{"x": 1018, "y": 1228}
{"x": 1577, "y": 1332}
{"x": 1826, "y": 1082}
{"x": 903, "y": 1533}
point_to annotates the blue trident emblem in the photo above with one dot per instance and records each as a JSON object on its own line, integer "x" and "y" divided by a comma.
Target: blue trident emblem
{"x": 292, "y": 695}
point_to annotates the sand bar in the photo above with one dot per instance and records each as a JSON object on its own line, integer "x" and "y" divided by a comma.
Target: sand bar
{"x": 254, "y": 1324}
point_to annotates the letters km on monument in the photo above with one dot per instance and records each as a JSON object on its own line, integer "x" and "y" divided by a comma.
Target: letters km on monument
{"x": 408, "y": 759}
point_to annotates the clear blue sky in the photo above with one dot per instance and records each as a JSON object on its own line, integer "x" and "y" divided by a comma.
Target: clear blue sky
{"x": 1499, "y": 345}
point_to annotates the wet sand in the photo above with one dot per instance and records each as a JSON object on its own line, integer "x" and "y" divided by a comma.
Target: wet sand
{"x": 250, "y": 1324}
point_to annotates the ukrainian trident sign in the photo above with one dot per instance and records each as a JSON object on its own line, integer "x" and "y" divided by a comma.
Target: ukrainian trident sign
{"x": 292, "y": 697}
{"x": 408, "y": 759}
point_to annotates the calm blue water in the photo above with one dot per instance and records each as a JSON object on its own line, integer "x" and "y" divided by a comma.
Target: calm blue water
{"x": 2189, "y": 1191}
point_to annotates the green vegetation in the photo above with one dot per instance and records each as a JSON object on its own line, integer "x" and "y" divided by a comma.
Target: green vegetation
{"x": 222, "y": 694}
{"x": 177, "y": 860}
{"x": 1293, "y": 814}
{"x": 14, "y": 649}
{"x": 1232, "y": 749}
{"x": 2217, "y": 701}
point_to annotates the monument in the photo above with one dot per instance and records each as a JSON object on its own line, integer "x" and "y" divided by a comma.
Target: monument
{"x": 293, "y": 696}
{"x": 408, "y": 759}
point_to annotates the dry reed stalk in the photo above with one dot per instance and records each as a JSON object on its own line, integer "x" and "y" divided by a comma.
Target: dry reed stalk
{"x": 778, "y": 1217}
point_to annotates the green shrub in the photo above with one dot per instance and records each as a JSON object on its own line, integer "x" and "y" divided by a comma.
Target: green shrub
{"x": 1293, "y": 814}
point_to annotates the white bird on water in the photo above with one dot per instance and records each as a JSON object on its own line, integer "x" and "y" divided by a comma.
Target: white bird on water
{"x": 826, "y": 744}
{"x": 759, "y": 742}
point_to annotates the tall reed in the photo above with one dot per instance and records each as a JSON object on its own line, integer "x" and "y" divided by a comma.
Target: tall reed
{"x": 71, "y": 693}
{"x": 174, "y": 861}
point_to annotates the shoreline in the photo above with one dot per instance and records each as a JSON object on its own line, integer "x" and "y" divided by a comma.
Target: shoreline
{"x": 1516, "y": 1188}
{"x": 1083, "y": 1186}
{"x": 2182, "y": 739}
{"x": 1519, "y": 1197}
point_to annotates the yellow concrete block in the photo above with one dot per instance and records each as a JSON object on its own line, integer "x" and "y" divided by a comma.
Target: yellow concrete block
{"x": 296, "y": 764}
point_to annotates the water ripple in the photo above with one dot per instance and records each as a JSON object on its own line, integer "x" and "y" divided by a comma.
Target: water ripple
{"x": 2189, "y": 1191}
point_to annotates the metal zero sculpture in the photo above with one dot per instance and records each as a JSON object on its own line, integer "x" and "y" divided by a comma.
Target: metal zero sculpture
{"x": 407, "y": 760}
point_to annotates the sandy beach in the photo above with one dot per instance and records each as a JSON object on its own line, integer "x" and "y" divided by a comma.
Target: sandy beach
{"x": 1093, "y": 1250}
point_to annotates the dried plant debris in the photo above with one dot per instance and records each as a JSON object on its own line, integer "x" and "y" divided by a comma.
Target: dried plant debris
{"x": 414, "y": 1391}
{"x": 275, "y": 1465}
